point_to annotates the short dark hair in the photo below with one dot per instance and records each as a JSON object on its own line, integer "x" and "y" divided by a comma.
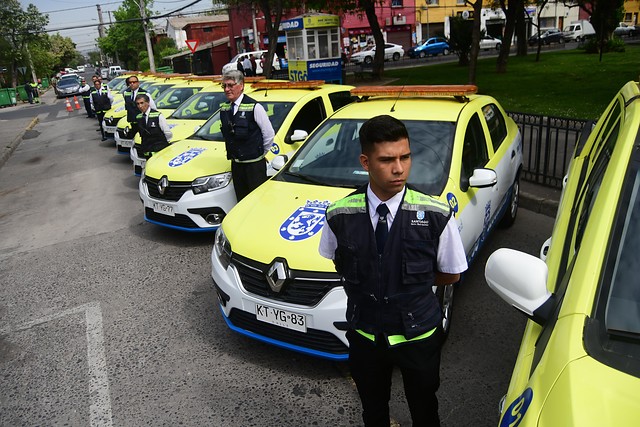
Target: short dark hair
{"x": 142, "y": 96}
{"x": 383, "y": 128}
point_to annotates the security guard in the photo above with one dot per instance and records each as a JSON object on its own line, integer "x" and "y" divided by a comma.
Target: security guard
{"x": 248, "y": 135}
{"x": 393, "y": 315}
{"x": 153, "y": 127}
{"x": 133, "y": 89}
{"x": 86, "y": 91}
{"x": 101, "y": 100}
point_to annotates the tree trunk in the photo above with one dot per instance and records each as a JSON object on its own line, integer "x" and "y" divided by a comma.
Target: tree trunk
{"x": 378, "y": 60}
{"x": 503, "y": 56}
{"x": 272, "y": 32}
{"x": 475, "y": 43}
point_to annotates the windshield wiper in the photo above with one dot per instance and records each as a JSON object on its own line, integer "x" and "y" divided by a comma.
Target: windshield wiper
{"x": 308, "y": 179}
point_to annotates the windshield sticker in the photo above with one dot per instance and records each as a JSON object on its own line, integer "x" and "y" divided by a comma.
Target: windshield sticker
{"x": 360, "y": 172}
{"x": 453, "y": 202}
{"x": 514, "y": 414}
{"x": 304, "y": 222}
{"x": 275, "y": 149}
{"x": 186, "y": 157}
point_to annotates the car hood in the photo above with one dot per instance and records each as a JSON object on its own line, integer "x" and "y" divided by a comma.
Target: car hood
{"x": 183, "y": 129}
{"x": 187, "y": 160}
{"x": 286, "y": 218}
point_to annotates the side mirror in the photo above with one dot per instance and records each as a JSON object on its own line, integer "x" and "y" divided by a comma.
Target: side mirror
{"x": 521, "y": 280}
{"x": 545, "y": 249}
{"x": 298, "y": 135}
{"x": 278, "y": 162}
{"x": 483, "y": 178}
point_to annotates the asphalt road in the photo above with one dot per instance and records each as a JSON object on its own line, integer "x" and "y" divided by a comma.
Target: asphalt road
{"x": 106, "y": 320}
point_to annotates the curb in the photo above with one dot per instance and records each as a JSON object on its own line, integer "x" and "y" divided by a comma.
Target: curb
{"x": 538, "y": 204}
{"x": 10, "y": 148}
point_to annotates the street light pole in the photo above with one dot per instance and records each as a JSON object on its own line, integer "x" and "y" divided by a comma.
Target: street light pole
{"x": 143, "y": 15}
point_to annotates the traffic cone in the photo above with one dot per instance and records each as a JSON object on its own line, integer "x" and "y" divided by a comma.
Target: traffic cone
{"x": 76, "y": 103}
{"x": 69, "y": 109}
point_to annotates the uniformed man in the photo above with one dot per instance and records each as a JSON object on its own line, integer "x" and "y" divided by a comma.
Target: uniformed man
{"x": 248, "y": 135}
{"x": 391, "y": 244}
{"x": 154, "y": 130}
{"x": 101, "y": 100}
{"x": 86, "y": 90}
{"x": 133, "y": 89}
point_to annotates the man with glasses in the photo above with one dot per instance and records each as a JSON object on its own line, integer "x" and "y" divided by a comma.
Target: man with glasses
{"x": 101, "y": 100}
{"x": 133, "y": 89}
{"x": 248, "y": 135}
{"x": 153, "y": 127}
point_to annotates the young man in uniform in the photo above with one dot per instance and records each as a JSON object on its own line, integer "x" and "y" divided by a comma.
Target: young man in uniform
{"x": 101, "y": 100}
{"x": 153, "y": 127}
{"x": 85, "y": 91}
{"x": 393, "y": 315}
{"x": 248, "y": 135}
{"x": 133, "y": 89}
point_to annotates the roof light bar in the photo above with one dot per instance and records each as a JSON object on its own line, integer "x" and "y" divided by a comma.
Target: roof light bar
{"x": 457, "y": 91}
{"x": 285, "y": 84}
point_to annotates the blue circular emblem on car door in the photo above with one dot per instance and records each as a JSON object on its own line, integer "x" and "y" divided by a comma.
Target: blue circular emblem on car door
{"x": 515, "y": 412}
{"x": 275, "y": 149}
{"x": 453, "y": 202}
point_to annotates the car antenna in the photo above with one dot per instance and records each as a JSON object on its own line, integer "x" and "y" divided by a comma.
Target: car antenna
{"x": 393, "y": 107}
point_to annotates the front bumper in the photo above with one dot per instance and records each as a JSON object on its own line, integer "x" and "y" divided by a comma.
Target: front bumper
{"x": 191, "y": 212}
{"x": 123, "y": 142}
{"x": 321, "y": 339}
{"x": 138, "y": 161}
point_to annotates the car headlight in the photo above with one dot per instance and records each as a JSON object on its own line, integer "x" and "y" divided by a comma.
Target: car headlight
{"x": 210, "y": 183}
{"x": 119, "y": 109}
{"x": 223, "y": 248}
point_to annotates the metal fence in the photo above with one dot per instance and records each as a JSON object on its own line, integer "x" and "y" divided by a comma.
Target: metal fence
{"x": 547, "y": 144}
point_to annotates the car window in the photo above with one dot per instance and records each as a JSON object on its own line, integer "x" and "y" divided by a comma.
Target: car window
{"x": 200, "y": 106}
{"x": 309, "y": 116}
{"x": 496, "y": 124}
{"x": 474, "y": 152}
{"x": 174, "y": 97}
{"x": 331, "y": 155}
{"x": 340, "y": 99}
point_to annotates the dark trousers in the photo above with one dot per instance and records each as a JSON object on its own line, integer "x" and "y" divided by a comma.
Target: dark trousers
{"x": 87, "y": 107}
{"x": 100, "y": 116}
{"x": 371, "y": 364}
{"x": 248, "y": 176}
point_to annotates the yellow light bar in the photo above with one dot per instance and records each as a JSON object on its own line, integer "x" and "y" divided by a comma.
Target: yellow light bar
{"x": 416, "y": 90}
{"x": 285, "y": 84}
{"x": 211, "y": 78}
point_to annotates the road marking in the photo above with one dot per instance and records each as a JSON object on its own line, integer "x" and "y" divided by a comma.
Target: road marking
{"x": 99, "y": 396}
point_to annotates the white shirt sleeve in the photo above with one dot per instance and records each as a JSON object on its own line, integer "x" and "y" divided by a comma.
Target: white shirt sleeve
{"x": 165, "y": 127}
{"x": 328, "y": 242}
{"x": 452, "y": 258}
{"x": 262, "y": 119}
{"x": 152, "y": 103}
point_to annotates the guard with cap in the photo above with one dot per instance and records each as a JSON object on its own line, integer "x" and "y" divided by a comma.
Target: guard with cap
{"x": 85, "y": 91}
{"x": 391, "y": 244}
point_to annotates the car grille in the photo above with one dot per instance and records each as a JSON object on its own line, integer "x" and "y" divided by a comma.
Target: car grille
{"x": 111, "y": 121}
{"x": 173, "y": 192}
{"x": 122, "y": 134}
{"x": 312, "y": 339}
{"x": 178, "y": 220}
{"x": 303, "y": 287}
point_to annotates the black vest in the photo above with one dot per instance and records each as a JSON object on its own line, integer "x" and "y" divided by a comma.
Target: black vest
{"x": 130, "y": 104}
{"x": 242, "y": 135}
{"x": 101, "y": 102}
{"x": 390, "y": 294}
{"x": 86, "y": 95}
{"x": 153, "y": 138}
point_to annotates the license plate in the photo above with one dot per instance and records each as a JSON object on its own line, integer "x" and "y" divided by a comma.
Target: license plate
{"x": 283, "y": 318}
{"x": 110, "y": 129}
{"x": 163, "y": 209}
{"x": 128, "y": 143}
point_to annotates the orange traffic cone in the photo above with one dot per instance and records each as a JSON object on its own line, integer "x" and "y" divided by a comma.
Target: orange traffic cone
{"x": 76, "y": 103}
{"x": 69, "y": 109}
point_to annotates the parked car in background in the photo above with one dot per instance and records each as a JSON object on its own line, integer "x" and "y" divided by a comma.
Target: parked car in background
{"x": 578, "y": 31}
{"x": 257, "y": 54}
{"x": 547, "y": 37}
{"x": 391, "y": 51}
{"x": 69, "y": 86}
{"x": 624, "y": 30}
{"x": 579, "y": 363}
{"x": 488, "y": 42}
{"x": 432, "y": 47}
{"x": 80, "y": 68}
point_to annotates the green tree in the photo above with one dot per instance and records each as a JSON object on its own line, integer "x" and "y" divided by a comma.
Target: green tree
{"x": 125, "y": 39}
{"x": 63, "y": 50}
{"x": 19, "y": 28}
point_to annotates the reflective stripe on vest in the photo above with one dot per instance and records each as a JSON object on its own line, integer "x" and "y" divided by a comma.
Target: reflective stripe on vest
{"x": 397, "y": 339}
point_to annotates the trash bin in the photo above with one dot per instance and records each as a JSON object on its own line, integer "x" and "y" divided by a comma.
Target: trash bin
{"x": 12, "y": 96}
{"x": 45, "y": 83}
{"x": 22, "y": 94}
{"x": 7, "y": 97}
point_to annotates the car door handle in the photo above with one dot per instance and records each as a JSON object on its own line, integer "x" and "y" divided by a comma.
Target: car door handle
{"x": 513, "y": 154}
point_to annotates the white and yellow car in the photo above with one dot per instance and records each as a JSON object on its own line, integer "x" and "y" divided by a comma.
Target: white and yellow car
{"x": 188, "y": 185}
{"x": 271, "y": 282}
{"x": 579, "y": 359}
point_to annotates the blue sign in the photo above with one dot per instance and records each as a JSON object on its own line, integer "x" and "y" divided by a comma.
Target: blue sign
{"x": 186, "y": 157}
{"x": 515, "y": 412}
{"x": 305, "y": 222}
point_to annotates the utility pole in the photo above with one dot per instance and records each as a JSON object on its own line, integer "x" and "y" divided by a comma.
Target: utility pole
{"x": 100, "y": 33}
{"x": 143, "y": 15}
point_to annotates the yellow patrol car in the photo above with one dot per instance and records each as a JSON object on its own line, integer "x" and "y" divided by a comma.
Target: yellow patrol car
{"x": 156, "y": 86}
{"x": 579, "y": 360}
{"x": 464, "y": 149}
{"x": 166, "y": 104}
{"x": 188, "y": 185}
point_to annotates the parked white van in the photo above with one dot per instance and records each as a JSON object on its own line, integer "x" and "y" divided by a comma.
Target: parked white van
{"x": 578, "y": 31}
{"x": 233, "y": 64}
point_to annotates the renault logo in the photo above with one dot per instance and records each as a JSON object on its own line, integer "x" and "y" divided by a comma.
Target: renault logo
{"x": 162, "y": 185}
{"x": 277, "y": 274}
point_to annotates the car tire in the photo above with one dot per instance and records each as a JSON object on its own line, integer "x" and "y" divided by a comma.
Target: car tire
{"x": 422, "y": 54}
{"x": 578, "y": 39}
{"x": 368, "y": 60}
{"x": 498, "y": 46}
{"x": 509, "y": 216}
{"x": 445, "y": 298}
{"x": 445, "y": 52}
{"x": 396, "y": 56}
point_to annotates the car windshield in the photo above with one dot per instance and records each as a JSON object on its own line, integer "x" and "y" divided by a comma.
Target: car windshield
{"x": 157, "y": 88}
{"x": 117, "y": 84}
{"x": 172, "y": 98}
{"x": 331, "y": 156}
{"x": 67, "y": 83}
{"x": 277, "y": 112}
{"x": 200, "y": 106}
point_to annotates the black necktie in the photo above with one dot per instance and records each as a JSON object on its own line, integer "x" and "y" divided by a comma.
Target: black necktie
{"x": 382, "y": 229}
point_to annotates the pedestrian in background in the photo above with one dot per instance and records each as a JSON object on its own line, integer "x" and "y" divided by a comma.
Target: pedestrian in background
{"x": 246, "y": 64}
{"x": 391, "y": 244}
{"x": 248, "y": 135}
{"x": 254, "y": 65}
{"x": 85, "y": 90}
{"x": 28, "y": 90}
{"x": 154, "y": 130}
{"x": 101, "y": 100}
{"x": 35, "y": 92}
{"x": 240, "y": 67}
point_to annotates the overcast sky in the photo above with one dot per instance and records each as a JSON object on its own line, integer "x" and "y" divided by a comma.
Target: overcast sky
{"x": 72, "y": 13}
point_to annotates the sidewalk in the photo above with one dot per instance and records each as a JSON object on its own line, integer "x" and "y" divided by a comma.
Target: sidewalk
{"x": 533, "y": 197}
